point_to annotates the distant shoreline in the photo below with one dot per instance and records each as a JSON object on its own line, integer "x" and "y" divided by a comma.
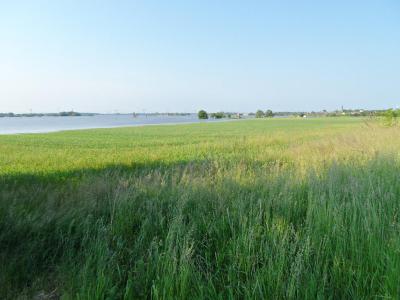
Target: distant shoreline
{"x": 87, "y": 114}
{"x": 40, "y": 115}
{"x": 67, "y": 127}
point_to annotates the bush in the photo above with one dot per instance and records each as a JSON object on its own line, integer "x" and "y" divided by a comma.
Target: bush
{"x": 202, "y": 114}
{"x": 391, "y": 117}
{"x": 260, "y": 114}
{"x": 269, "y": 113}
{"x": 218, "y": 115}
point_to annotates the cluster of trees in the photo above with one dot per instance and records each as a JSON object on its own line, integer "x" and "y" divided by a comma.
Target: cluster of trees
{"x": 335, "y": 113}
{"x": 7, "y": 115}
{"x": 218, "y": 115}
{"x": 351, "y": 112}
{"x": 69, "y": 114}
{"x": 202, "y": 114}
{"x": 391, "y": 116}
{"x": 261, "y": 114}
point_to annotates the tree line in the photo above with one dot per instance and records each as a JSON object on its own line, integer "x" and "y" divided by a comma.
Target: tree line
{"x": 202, "y": 114}
{"x": 60, "y": 114}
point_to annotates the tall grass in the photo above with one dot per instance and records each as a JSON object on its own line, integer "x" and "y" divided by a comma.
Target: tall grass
{"x": 280, "y": 209}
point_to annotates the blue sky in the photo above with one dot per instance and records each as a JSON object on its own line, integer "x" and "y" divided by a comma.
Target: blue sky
{"x": 107, "y": 56}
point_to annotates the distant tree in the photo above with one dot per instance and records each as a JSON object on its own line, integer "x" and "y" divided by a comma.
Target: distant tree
{"x": 218, "y": 115}
{"x": 269, "y": 113}
{"x": 202, "y": 114}
{"x": 260, "y": 114}
{"x": 390, "y": 117}
{"x": 69, "y": 114}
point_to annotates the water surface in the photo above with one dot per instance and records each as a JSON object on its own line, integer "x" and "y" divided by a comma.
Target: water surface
{"x": 49, "y": 124}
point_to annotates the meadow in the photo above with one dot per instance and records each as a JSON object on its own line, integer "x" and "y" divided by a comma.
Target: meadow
{"x": 248, "y": 209}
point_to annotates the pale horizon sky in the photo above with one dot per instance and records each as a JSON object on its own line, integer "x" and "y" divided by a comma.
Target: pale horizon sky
{"x": 182, "y": 56}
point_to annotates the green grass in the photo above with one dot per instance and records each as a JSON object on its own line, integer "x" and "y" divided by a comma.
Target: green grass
{"x": 278, "y": 209}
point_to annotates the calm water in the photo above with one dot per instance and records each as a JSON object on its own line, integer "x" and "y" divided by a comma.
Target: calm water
{"x": 49, "y": 124}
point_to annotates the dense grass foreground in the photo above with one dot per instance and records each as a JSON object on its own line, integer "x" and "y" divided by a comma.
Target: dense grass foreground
{"x": 248, "y": 209}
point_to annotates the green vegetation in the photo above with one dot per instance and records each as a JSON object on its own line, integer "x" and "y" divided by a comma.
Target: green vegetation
{"x": 390, "y": 117}
{"x": 69, "y": 114}
{"x": 217, "y": 115}
{"x": 202, "y": 114}
{"x": 267, "y": 114}
{"x": 260, "y": 114}
{"x": 262, "y": 208}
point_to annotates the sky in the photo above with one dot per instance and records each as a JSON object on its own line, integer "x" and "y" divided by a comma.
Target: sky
{"x": 182, "y": 56}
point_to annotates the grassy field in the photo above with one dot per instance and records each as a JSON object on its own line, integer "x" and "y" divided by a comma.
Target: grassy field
{"x": 278, "y": 209}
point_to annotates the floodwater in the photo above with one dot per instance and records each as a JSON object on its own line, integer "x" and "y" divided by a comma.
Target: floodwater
{"x": 15, "y": 125}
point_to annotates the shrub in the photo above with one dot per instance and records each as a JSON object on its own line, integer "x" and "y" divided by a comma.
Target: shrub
{"x": 260, "y": 114}
{"x": 269, "y": 113}
{"x": 218, "y": 115}
{"x": 391, "y": 117}
{"x": 202, "y": 114}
